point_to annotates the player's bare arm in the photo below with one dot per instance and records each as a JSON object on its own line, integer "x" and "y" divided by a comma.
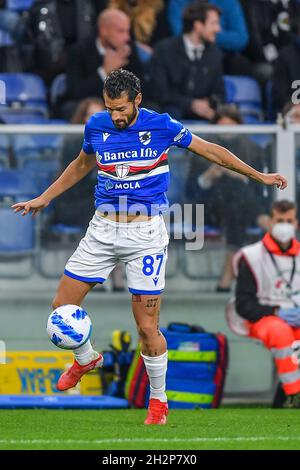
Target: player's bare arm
{"x": 223, "y": 157}
{"x": 77, "y": 170}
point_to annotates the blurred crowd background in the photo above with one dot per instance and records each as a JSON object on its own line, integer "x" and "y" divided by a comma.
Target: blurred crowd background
{"x": 182, "y": 50}
{"x": 219, "y": 62}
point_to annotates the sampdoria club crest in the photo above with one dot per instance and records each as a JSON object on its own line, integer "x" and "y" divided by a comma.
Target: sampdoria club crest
{"x": 145, "y": 137}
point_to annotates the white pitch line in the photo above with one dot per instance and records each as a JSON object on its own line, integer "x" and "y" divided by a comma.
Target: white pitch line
{"x": 141, "y": 440}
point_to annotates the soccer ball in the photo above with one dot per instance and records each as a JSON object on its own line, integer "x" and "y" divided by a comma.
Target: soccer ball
{"x": 69, "y": 327}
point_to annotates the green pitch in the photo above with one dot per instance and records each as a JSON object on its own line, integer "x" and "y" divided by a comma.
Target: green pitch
{"x": 227, "y": 428}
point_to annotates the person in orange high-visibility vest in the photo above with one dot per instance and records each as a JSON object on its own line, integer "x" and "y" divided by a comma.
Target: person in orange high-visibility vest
{"x": 268, "y": 295}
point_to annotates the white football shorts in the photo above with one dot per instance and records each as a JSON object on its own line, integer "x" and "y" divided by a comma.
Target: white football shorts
{"x": 142, "y": 246}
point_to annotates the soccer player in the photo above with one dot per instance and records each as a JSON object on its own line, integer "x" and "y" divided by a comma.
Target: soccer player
{"x": 129, "y": 145}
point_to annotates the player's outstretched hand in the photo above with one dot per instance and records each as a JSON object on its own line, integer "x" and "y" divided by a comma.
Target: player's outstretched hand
{"x": 33, "y": 206}
{"x": 274, "y": 179}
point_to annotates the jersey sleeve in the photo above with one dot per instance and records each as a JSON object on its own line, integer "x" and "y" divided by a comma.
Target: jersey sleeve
{"x": 178, "y": 135}
{"x": 87, "y": 146}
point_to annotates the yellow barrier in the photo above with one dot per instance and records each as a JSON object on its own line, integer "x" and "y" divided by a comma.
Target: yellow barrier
{"x": 37, "y": 372}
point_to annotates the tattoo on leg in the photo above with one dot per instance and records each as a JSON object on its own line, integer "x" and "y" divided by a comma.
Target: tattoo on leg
{"x": 151, "y": 303}
{"x": 136, "y": 298}
{"x": 158, "y": 332}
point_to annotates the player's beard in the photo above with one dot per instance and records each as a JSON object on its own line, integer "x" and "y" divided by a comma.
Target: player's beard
{"x": 122, "y": 124}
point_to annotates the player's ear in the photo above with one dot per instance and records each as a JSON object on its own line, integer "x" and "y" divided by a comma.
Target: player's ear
{"x": 138, "y": 99}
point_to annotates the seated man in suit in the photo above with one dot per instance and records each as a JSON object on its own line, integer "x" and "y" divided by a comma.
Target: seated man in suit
{"x": 91, "y": 61}
{"x": 187, "y": 74}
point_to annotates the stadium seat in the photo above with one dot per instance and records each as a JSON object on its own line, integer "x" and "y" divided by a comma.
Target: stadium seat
{"x": 58, "y": 88}
{"x": 245, "y": 93}
{"x": 19, "y": 5}
{"x": 15, "y": 184}
{"x": 17, "y": 237}
{"x": 37, "y": 146}
{"x": 24, "y": 117}
{"x": 5, "y": 39}
{"x": 263, "y": 140}
{"x": 24, "y": 91}
{"x": 4, "y": 151}
{"x": 38, "y": 156}
{"x": 251, "y": 119}
{"x": 57, "y": 245}
{"x": 143, "y": 54}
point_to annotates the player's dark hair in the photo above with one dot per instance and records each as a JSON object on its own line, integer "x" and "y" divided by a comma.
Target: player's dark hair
{"x": 197, "y": 11}
{"x": 283, "y": 206}
{"x": 120, "y": 81}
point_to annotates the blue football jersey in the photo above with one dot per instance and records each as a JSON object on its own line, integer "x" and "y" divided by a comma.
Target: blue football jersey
{"x": 133, "y": 171}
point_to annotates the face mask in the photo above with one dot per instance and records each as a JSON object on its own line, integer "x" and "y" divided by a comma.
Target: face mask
{"x": 283, "y": 232}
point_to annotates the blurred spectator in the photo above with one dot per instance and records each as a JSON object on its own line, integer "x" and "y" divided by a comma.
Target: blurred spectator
{"x": 55, "y": 26}
{"x": 287, "y": 70}
{"x": 44, "y": 33}
{"x": 233, "y": 35}
{"x": 187, "y": 75}
{"x": 291, "y": 113}
{"x": 91, "y": 61}
{"x": 232, "y": 201}
{"x": 232, "y": 38}
{"x": 267, "y": 296}
{"x": 269, "y": 29}
{"x": 148, "y": 19}
{"x": 11, "y": 23}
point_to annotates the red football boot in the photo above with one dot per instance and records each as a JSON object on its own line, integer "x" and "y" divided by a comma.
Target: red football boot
{"x": 157, "y": 412}
{"x": 71, "y": 377}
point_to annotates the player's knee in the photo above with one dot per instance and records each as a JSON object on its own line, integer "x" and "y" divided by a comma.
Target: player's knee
{"x": 147, "y": 331}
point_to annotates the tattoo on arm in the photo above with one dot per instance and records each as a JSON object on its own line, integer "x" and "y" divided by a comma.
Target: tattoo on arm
{"x": 222, "y": 156}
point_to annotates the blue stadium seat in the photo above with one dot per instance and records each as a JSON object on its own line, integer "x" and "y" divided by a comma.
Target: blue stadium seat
{"x": 15, "y": 184}
{"x": 251, "y": 119}
{"x": 37, "y": 146}
{"x": 143, "y": 54}
{"x": 263, "y": 140}
{"x": 25, "y": 117}
{"x": 24, "y": 91}
{"x": 58, "y": 88}
{"x": 39, "y": 156}
{"x": 19, "y": 5}
{"x": 22, "y": 117}
{"x": 5, "y": 39}
{"x": 4, "y": 151}
{"x": 245, "y": 93}
{"x": 17, "y": 237}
